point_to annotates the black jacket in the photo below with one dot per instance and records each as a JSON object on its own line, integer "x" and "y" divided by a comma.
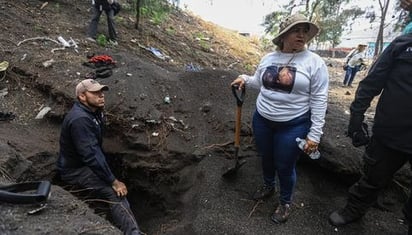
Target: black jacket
{"x": 81, "y": 143}
{"x": 104, "y": 3}
{"x": 391, "y": 78}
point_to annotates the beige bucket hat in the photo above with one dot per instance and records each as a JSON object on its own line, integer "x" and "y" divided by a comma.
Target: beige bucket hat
{"x": 291, "y": 21}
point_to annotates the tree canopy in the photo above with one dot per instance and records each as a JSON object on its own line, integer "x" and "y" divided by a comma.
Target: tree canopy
{"x": 336, "y": 17}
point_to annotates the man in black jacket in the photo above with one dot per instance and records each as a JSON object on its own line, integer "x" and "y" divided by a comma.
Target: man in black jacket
{"x": 390, "y": 146}
{"x": 98, "y": 7}
{"x": 81, "y": 159}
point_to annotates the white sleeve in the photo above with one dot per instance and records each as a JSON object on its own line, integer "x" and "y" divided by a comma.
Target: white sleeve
{"x": 319, "y": 86}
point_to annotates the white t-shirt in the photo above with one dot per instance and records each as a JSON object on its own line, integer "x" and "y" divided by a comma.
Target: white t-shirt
{"x": 303, "y": 88}
{"x": 356, "y": 58}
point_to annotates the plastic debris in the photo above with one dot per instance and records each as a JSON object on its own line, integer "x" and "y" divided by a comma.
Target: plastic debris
{"x": 63, "y": 41}
{"x": 193, "y": 68}
{"x": 4, "y": 65}
{"x": 155, "y": 134}
{"x": 167, "y": 100}
{"x": 48, "y": 63}
{"x": 43, "y": 112}
{"x": 157, "y": 53}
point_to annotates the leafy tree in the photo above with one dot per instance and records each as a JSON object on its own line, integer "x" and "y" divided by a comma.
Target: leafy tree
{"x": 334, "y": 19}
{"x": 329, "y": 15}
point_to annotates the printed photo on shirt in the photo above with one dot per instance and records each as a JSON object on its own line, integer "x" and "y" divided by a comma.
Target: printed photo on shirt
{"x": 280, "y": 78}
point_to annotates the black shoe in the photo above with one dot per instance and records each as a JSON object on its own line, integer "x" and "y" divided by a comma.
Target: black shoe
{"x": 263, "y": 192}
{"x": 281, "y": 213}
{"x": 342, "y": 217}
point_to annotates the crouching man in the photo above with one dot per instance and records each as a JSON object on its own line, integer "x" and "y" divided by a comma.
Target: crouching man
{"x": 81, "y": 159}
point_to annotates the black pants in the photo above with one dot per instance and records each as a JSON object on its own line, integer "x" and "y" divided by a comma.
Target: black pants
{"x": 92, "y": 31}
{"x": 381, "y": 163}
{"x": 119, "y": 206}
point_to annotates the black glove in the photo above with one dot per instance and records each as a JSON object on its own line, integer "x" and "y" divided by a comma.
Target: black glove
{"x": 358, "y": 131}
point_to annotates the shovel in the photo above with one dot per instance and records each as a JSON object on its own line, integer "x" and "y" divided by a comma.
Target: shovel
{"x": 239, "y": 101}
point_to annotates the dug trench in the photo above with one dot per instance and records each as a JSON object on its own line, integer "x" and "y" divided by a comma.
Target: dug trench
{"x": 172, "y": 157}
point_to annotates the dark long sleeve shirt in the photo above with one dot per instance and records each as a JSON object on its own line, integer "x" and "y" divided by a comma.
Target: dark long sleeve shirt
{"x": 391, "y": 78}
{"x": 81, "y": 143}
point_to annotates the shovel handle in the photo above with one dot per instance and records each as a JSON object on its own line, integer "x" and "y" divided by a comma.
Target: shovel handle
{"x": 239, "y": 97}
{"x": 239, "y": 101}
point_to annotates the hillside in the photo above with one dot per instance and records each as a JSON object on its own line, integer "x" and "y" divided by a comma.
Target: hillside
{"x": 170, "y": 154}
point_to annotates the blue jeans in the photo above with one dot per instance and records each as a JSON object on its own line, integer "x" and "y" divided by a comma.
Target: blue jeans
{"x": 276, "y": 144}
{"x": 350, "y": 75}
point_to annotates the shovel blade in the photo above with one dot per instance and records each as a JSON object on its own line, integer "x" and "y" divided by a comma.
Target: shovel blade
{"x": 231, "y": 172}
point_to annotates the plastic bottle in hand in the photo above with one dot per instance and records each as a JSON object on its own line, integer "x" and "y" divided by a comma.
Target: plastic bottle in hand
{"x": 301, "y": 145}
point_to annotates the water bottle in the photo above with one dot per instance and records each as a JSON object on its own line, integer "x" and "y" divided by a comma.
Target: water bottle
{"x": 301, "y": 145}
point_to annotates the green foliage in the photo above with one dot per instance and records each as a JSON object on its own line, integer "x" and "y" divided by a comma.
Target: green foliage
{"x": 101, "y": 40}
{"x": 156, "y": 10}
{"x": 126, "y": 6}
{"x": 329, "y": 15}
{"x": 205, "y": 45}
{"x": 272, "y": 20}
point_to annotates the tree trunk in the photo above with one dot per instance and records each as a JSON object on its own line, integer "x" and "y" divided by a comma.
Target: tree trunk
{"x": 138, "y": 6}
{"x": 379, "y": 39}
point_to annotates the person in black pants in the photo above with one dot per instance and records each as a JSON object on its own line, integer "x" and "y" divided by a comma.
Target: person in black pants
{"x": 390, "y": 146}
{"x": 98, "y": 7}
{"x": 81, "y": 159}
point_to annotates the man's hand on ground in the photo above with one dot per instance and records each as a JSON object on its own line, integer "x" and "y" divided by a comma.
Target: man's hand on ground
{"x": 120, "y": 188}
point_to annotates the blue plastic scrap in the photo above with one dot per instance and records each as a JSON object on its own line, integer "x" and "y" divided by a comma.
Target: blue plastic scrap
{"x": 193, "y": 68}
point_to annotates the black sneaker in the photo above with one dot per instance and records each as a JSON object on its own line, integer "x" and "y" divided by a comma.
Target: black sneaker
{"x": 281, "y": 213}
{"x": 342, "y": 217}
{"x": 263, "y": 192}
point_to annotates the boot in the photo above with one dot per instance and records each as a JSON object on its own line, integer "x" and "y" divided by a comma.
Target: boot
{"x": 343, "y": 217}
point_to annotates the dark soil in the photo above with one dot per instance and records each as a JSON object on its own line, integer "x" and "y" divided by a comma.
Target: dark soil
{"x": 171, "y": 155}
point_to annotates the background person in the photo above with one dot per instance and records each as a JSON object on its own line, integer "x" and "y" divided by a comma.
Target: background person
{"x": 293, "y": 83}
{"x": 390, "y": 146}
{"x": 354, "y": 60}
{"x": 98, "y": 7}
{"x": 81, "y": 159}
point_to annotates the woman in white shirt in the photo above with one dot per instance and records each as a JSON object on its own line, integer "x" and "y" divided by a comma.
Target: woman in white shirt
{"x": 292, "y": 101}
